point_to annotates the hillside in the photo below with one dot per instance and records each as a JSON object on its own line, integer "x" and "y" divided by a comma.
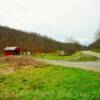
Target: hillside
{"x": 33, "y": 42}
{"x": 95, "y": 46}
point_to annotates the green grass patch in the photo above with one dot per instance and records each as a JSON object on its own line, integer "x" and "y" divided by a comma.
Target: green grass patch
{"x": 3, "y": 65}
{"x": 50, "y": 83}
{"x": 50, "y": 56}
{"x": 1, "y": 53}
{"x": 77, "y": 57}
{"x": 97, "y": 50}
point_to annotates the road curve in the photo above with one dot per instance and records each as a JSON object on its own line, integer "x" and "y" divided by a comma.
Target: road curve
{"x": 92, "y": 66}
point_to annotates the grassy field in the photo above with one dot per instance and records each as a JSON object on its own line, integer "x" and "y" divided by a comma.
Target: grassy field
{"x": 50, "y": 83}
{"x": 78, "y": 57}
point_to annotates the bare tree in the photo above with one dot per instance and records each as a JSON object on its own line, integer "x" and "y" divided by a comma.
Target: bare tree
{"x": 72, "y": 45}
{"x": 71, "y": 40}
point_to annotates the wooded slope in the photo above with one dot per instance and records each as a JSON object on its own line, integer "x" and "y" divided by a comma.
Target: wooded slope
{"x": 33, "y": 42}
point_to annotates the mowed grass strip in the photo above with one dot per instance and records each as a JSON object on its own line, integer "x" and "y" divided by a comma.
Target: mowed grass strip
{"x": 77, "y": 57}
{"x": 50, "y": 83}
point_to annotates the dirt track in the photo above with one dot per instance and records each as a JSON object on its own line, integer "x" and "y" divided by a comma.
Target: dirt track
{"x": 93, "y": 66}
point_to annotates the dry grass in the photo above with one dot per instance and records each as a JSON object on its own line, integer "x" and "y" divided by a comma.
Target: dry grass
{"x": 20, "y": 61}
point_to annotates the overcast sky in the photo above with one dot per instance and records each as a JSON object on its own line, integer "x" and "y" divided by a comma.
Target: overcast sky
{"x": 58, "y": 19}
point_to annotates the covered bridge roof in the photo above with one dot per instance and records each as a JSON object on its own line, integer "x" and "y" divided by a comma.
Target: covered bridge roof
{"x": 10, "y": 48}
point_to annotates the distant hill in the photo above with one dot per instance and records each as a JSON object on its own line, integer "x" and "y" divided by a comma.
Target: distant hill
{"x": 33, "y": 42}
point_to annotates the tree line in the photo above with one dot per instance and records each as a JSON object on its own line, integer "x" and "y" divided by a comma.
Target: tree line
{"x": 34, "y": 42}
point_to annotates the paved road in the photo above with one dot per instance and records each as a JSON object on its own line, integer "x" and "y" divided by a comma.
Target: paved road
{"x": 93, "y": 66}
{"x": 92, "y": 53}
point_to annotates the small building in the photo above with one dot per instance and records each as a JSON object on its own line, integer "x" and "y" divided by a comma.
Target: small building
{"x": 12, "y": 51}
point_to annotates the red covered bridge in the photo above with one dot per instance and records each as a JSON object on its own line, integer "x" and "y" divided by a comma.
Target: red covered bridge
{"x": 12, "y": 51}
